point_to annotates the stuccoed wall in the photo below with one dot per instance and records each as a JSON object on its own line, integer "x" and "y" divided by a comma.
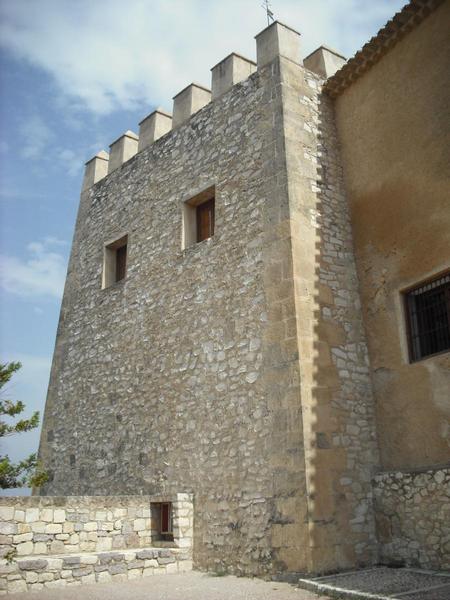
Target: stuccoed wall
{"x": 413, "y": 517}
{"x": 397, "y": 185}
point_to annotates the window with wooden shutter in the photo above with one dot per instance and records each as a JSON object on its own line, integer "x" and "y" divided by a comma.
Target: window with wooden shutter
{"x": 199, "y": 218}
{"x": 115, "y": 261}
{"x": 121, "y": 262}
{"x": 205, "y": 220}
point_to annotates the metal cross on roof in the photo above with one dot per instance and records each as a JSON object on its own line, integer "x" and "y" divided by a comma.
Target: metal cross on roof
{"x": 268, "y": 8}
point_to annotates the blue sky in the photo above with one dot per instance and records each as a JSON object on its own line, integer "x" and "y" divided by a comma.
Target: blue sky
{"x": 73, "y": 77}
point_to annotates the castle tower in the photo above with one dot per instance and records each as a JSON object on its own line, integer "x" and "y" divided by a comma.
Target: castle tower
{"x": 211, "y": 337}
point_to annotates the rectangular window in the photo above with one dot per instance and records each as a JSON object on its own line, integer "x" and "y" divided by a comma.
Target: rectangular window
{"x": 205, "y": 220}
{"x": 121, "y": 262}
{"x": 166, "y": 518}
{"x": 199, "y": 218}
{"x": 115, "y": 262}
{"x": 428, "y": 312}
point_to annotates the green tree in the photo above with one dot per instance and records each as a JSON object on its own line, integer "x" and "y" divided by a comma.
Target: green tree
{"x": 27, "y": 471}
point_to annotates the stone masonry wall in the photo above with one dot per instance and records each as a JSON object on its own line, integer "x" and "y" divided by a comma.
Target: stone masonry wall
{"x": 413, "y": 517}
{"x": 341, "y": 453}
{"x": 60, "y": 525}
{"x": 184, "y": 375}
{"x": 48, "y": 542}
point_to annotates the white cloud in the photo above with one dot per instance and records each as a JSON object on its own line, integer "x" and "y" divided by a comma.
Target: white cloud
{"x": 36, "y": 137}
{"x": 42, "y": 273}
{"x": 106, "y": 56}
{"x": 71, "y": 161}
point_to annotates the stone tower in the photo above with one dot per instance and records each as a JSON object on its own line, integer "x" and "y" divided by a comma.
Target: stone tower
{"x": 211, "y": 337}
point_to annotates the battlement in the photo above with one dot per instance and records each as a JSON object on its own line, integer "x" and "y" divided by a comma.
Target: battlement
{"x": 275, "y": 40}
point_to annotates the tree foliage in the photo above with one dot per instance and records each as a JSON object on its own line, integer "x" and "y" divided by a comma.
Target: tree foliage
{"x": 27, "y": 471}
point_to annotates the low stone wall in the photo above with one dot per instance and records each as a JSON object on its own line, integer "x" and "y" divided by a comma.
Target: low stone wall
{"x": 413, "y": 517}
{"x": 48, "y": 541}
{"x": 32, "y": 574}
{"x": 71, "y": 524}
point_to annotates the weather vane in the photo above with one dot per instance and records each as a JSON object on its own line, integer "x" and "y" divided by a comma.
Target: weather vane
{"x": 267, "y": 7}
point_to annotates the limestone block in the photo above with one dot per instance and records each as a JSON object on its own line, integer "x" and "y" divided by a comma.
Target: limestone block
{"x": 25, "y": 548}
{"x": 53, "y": 528}
{"x": 40, "y": 548}
{"x": 324, "y": 61}
{"x": 17, "y": 586}
{"x": 68, "y": 527}
{"x": 23, "y": 537}
{"x": 7, "y": 528}
{"x": 104, "y": 544}
{"x": 6, "y": 513}
{"x": 55, "y": 564}
{"x": 229, "y": 71}
{"x": 277, "y": 40}
{"x": 154, "y": 126}
{"x": 38, "y": 527}
{"x": 31, "y": 514}
{"x": 47, "y": 513}
{"x": 140, "y": 524}
{"x": 87, "y": 579}
{"x": 59, "y": 516}
{"x": 19, "y": 516}
{"x": 96, "y": 168}
{"x": 189, "y": 101}
{"x": 124, "y": 148}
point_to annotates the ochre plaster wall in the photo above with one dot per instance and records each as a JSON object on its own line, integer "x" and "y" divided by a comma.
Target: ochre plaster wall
{"x": 393, "y": 128}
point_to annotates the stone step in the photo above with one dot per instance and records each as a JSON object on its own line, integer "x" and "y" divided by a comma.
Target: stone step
{"x": 36, "y": 572}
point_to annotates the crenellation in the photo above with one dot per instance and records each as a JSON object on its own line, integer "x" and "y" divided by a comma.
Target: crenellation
{"x": 96, "y": 169}
{"x": 277, "y": 40}
{"x": 189, "y": 101}
{"x": 231, "y": 70}
{"x": 154, "y": 126}
{"x": 122, "y": 149}
{"x": 324, "y": 61}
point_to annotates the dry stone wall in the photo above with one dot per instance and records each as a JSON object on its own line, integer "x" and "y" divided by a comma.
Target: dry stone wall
{"x": 413, "y": 517}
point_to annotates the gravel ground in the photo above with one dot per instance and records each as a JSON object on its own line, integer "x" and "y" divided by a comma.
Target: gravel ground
{"x": 183, "y": 586}
{"x": 383, "y": 582}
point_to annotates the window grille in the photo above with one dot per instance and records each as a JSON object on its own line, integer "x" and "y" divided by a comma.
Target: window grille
{"x": 428, "y": 310}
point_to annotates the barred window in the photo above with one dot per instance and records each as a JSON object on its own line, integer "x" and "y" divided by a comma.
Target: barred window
{"x": 428, "y": 312}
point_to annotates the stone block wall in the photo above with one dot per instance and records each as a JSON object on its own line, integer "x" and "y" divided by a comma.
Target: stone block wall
{"x": 37, "y": 573}
{"x": 49, "y": 525}
{"x": 205, "y": 370}
{"x": 48, "y": 542}
{"x": 413, "y": 517}
{"x": 339, "y": 434}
